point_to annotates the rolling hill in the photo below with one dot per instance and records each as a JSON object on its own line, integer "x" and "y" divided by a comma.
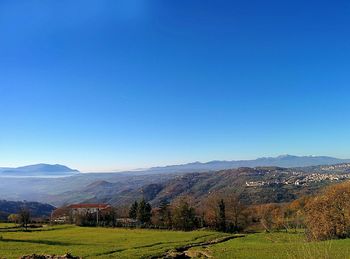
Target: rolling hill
{"x": 13, "y": 207}
{"x": 254, "y": 185}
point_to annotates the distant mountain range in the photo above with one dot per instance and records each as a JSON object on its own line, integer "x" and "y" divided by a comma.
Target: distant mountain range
{"x": 38, "y": 170}
{"x": 156, "y": 184}
{"x": 253, "y": 185}
{"x": 286, "y": 161}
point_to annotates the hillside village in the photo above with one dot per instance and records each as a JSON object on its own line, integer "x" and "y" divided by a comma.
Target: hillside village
{"x": 301, "y": 180}
{"x": 330, "y": 173}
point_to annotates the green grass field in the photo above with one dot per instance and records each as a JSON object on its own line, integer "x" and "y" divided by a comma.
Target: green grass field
{"x": 95, "y": 242}
{"x": 7, "y": 225}
{"x": 277, "y": 245}
{"x": 127, "y": 243}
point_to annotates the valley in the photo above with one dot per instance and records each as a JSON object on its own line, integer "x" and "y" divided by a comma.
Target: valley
{"x": 254, "y": 185}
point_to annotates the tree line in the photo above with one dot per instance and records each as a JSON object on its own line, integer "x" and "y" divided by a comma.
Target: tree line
{"x": 225, "y": 214}
{"x": 323, "y": 216}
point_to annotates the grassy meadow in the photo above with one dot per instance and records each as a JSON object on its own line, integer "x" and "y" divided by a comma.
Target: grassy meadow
{"x": 276, "y": 245}
{"x": 95, "y": 242}
{"x": 128, "y": 243}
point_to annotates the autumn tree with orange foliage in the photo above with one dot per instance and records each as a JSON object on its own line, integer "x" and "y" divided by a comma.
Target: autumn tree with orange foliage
{"x": 228, "y": 207}
{"x": 328, "y": 214}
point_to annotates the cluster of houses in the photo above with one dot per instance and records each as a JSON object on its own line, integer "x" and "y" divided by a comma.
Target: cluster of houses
{"x": 335, "y": 167}
{"x": 301, "y": 179}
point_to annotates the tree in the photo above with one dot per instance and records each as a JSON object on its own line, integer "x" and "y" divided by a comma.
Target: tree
{"x": 328, "y": 214}
{"x": 222, "y": 216}
{"x": 14, "y": 218}
{"x": 144, "y": 212}
{"x": 294, "y": 213}
{"x": 24, "y": 217}
{"x": 210, "y": 210}
{"x": 184, "y": 217}
{"x": 133, "y": 210}
{"x": 113, "y": 217}
{"x": 108, "y": 217}
{"x": 235, "y": 213}
{"x": 267, "y": 216}
{"x": 225, "y": 212}
{"x": 85, "y": 219}
{"x": 164, "y": 214}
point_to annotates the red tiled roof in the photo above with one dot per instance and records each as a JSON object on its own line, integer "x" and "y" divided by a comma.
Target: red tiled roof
{"x": 88, "y": 206}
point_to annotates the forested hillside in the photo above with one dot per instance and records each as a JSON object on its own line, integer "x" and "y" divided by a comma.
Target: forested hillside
{"x": 13, "y": 207}
{"x": 253, "y": 185}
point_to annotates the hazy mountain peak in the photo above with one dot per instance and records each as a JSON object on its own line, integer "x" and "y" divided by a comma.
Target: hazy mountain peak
{"x": 285, "y": 156}
{"x": 38, "y": 170}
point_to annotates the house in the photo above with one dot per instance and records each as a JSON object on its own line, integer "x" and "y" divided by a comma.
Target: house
{"x": 61, "y": 216}
{"x": 88, "y": 208}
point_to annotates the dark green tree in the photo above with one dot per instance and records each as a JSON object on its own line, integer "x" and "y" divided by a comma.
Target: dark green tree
{"x": 185, "y": 217}
{"x": 222, "y": 216}
{"x": 134, "y": 210}
{"x": 144, "y": 212}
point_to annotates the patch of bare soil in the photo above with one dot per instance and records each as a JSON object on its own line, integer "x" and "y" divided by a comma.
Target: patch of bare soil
{"x": 35, "y": 256}
{"x": 184, "y": 253}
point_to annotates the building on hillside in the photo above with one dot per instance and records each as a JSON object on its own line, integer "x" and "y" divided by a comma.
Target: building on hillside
{"x": 61, "y": 216}
{"x": 69, "y": 214}
{"x": 88, "y": 208}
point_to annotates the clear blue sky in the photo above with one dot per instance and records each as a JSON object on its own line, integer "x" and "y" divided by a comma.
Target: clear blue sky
{"x": 102, "y": 85}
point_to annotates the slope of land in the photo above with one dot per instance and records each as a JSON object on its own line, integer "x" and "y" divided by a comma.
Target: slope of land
{"x": 13, "y": 207}
{"x": 254, "y": 185}
{"x": 97, "y": 242}
{"x": 138, "y": 243}
{"x": 275, "y": 245}
{"x": 77, "y": 188}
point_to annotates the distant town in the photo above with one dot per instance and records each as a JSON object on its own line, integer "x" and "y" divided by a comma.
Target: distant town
{"x": 327, "y": 173}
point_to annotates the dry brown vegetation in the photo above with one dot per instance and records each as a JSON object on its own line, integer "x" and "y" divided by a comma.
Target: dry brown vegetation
{"x": 328, "y": 214}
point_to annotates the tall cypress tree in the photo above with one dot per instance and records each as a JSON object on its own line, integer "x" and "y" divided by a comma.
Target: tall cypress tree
{"x": 222, "y": 216}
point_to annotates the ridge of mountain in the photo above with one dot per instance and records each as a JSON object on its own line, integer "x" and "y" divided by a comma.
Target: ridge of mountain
{"x": 38, "y": 170}
{"x": 254, "y": 185}
{"x": 286, "y": 161}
